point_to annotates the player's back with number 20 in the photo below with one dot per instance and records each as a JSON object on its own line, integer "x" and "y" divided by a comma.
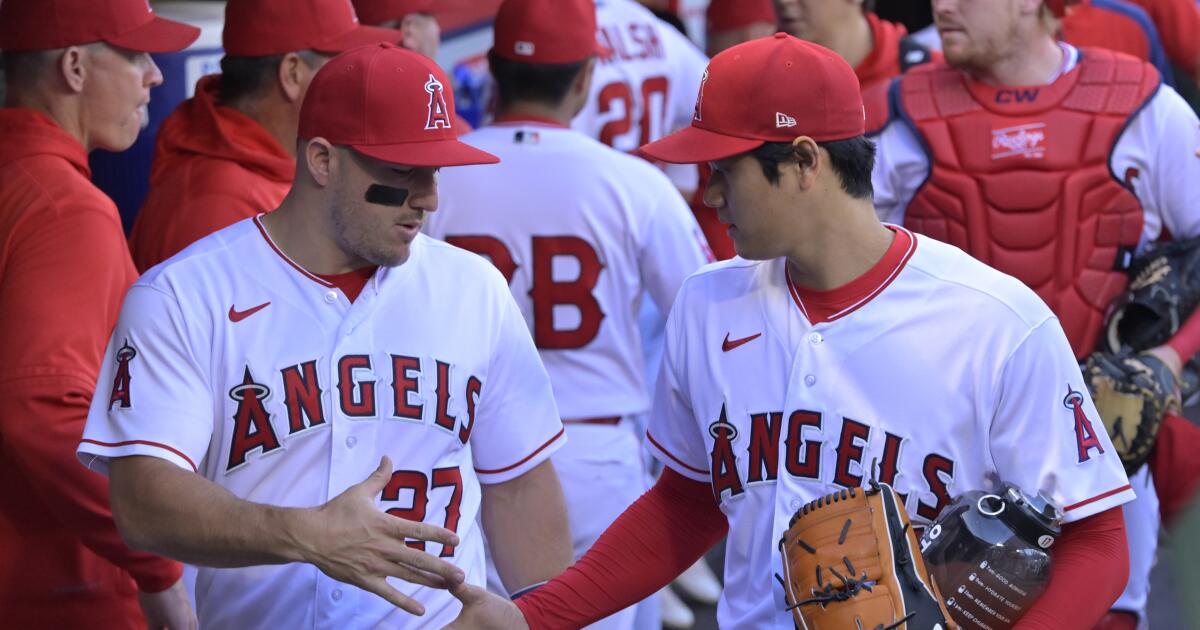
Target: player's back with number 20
{"x": 645, "y": 81}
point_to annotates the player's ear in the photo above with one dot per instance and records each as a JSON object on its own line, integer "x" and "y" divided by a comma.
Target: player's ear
{"x": 73, "y": 67}
{"x": 292, "y": 76}
{"x": 808, "y": 163}
{"x": 583, "y": 82}
{"x": 318, "y": 154}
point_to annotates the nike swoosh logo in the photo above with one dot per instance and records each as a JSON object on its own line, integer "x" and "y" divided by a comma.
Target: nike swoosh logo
{"x": 237, "y": 316}
{"x": 728, "y": 345}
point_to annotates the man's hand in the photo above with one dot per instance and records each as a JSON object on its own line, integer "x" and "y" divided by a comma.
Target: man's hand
{"x": 351, "y": 541}
{"x": 1169, "y": 357}
{"x": 170, "y": 609}
{"x": 485, "y": 611}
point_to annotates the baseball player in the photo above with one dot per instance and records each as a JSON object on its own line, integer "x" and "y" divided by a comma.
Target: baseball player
{"x": 579, "y": 248}
{"x": 877, "y": 49}
{"x": 836, "y": 349}
{"x": 259, "y": 387}
{"x": 414, "y": 18}
{"x": 73, "y": 85}
{"x": 643, "y": 83}
{"x": 228, "y": 152}
{"x": 1063, "y": 162}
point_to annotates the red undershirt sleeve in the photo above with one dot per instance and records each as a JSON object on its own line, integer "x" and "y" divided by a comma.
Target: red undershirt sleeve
{"x": 1186, "y": 342}
{"x": 1088, "y": 571}
{"x": 653, "y": 541}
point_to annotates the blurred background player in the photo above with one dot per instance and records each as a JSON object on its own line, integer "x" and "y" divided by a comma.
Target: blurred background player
{"x": 731, "y": 22}
{"x": 644, "y": 82}
{"x": 1015, "y": 188}
{"x": 413, "y": 18}
{"x": 581, "y": 249}
{"x": 228, "y": 152}
{"x": 74, "y": 85}
{"x": 877, "y": 49}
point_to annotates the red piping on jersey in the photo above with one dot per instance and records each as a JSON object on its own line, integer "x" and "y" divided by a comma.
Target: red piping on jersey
{"x": 859, "y": 303}
{"x": 518, "y": 119}
{"x": 673, "y": 458}
{"x": 525, "y": 459}
{"x": 1105, "y": 495}
{"x": 146, "y": 442}
{"x": 267, "y": 237}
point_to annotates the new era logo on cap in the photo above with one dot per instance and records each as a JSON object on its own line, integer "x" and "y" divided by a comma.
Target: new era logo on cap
{"x": 783, "y": 120}
{"x": 525, "y": 49}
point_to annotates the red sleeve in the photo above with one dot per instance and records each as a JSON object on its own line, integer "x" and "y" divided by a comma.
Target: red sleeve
{"x": 1175, "y": 467}
{"x": 1088, "y": 571}
{"x": 63, "y": 281}
{"x": 653, "y": 541}
{"x": 1186, "y": 342}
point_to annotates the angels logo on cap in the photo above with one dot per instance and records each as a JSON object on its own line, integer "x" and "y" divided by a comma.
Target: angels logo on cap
{"x": 700, "y": 95}
{"x": 368, "y": 99}
{"x": 439, "y": 114}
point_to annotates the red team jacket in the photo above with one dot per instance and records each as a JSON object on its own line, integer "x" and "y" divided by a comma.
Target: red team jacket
{"x": 213, "y": 166}
{"x": 64, "y": 269}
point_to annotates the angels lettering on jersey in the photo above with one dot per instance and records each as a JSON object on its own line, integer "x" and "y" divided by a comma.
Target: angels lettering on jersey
{"x": 301, "y": 392}
{"x": 790, "y": 435}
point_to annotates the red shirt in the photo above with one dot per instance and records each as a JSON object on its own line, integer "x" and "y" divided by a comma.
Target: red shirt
{"x": 64, "y": 269}
{"x": 213, "y": 166}
{"x": 1178, "y": 24}
{"x": 1087, "y": 25}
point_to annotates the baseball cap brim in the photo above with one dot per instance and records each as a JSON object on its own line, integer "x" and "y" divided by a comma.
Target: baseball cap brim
{"x": 693, "y": 145}
{"x": 360, "y": 35}
{"x": 435, "y": 154}
{"x": 159, "y": 35}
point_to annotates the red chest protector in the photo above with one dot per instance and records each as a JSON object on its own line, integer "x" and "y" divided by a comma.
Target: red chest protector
{"x": 1020, "y": 179}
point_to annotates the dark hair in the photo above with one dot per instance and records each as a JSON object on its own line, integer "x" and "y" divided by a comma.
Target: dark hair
{"x": 24, "y": 67}
{"x": 245, "y": 78}
{"x": 852, "y": 159}
{"x": 546, "y": 83}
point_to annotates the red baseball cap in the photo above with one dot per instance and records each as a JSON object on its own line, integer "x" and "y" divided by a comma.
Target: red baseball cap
{"x": 771, "y": 89}
{"x": 727, "y": 15}
{"x": 546, "y": 31}
{"x": 255, "y": 28}
{"x": 390, "y": 104}
{"x": 380, "y": 11}
{"x": 49, "y": 24}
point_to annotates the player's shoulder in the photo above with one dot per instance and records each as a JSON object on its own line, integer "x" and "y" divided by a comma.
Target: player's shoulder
{"x": 965, "y": 284}
{"x": 220, "y": 253}
{"x": 464, "y": 266}
{"x": 726, "y": 279}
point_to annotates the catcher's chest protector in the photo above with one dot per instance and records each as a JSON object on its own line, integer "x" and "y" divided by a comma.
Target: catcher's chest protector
{"x": 1020, "y": 179}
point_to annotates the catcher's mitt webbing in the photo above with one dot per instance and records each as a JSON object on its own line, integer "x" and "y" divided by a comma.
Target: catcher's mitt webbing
{"x": 851, "y": 560}
{"x": 1164, "y": 289}
{"x": 1131, "y": 392}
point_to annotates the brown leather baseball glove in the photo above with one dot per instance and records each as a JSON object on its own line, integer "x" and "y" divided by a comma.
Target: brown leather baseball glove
{"x": 851, "y": 561}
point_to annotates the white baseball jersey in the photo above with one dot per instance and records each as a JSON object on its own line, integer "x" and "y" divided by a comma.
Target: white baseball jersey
{"x": 948, "y": 376}
{"x": 581, "y": 232}
{"x": 232, "y": 361}
{"x": 645, "y": 86}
